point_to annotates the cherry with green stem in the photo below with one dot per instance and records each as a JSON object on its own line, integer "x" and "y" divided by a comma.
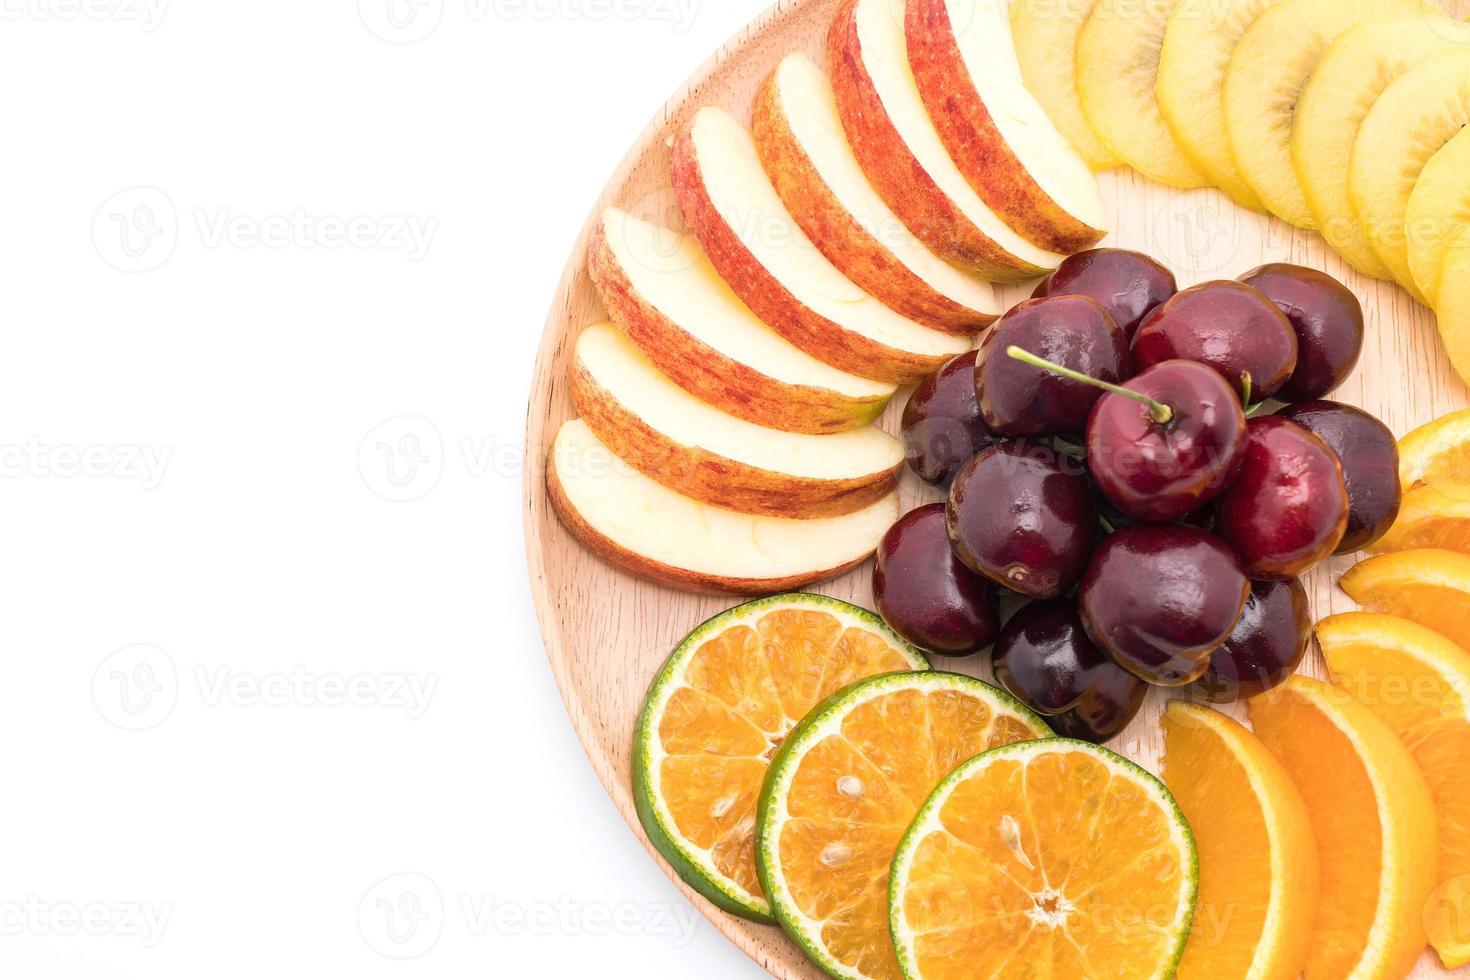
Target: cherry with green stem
{"x": 1165, "y": 445}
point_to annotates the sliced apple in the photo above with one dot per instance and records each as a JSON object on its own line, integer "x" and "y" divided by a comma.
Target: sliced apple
{"x": 667, "y": 295}
{"x": 1452, "y": 306}
{"x": 758, "y": 248}
{"x": 1438, "y": 213}
{"x": 902, "y": 154}
{"x": 964, "y": 63}
{"x": 710, "y": 455}
{"x": 1117, "y": 71}
{"x": 806, "y": 155}
{"x": 1044, "y": 35}
{"x": 1411, "y": 121}
{"x": 1352, "y": 74}
{"x": 643, "y": 527}
{"x": 1268, "y": 70}
{"x": 1197, "y": 45}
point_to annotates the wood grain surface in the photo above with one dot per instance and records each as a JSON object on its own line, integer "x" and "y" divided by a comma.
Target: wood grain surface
{"x": 606, "y": 633}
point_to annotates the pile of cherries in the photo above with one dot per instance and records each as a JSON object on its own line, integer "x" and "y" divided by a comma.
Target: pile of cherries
{"x": 1107, "y": 460}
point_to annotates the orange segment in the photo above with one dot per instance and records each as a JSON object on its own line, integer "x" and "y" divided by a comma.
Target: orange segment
{"x": 1429, "y": 586}
{"x": 843, "y": 790}
{"x": 1429, "y": 519}
{"x": 1044, "y": 859}
{"x": 726, "y": 698}
{"x": 1438, "y": 455}
{"x": 1418, "y": 682}
{"x": 1257, "y": 856}
{"x": 1374, "y": 821}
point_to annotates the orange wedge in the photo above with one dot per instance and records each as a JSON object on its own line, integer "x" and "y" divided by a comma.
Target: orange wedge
{"x": 1429, "y": 586}
{"x": 1428, "y": 519}
{"x": 1418, "y": 682}
{"x": 1438, "y": 455}
{"x": 843, "y": 789}
{"x": 1374, "y": 821}
{"x": 1052, "y": 859}
{"x": 726, "y": 697}
{"x": 1257, "y": 855}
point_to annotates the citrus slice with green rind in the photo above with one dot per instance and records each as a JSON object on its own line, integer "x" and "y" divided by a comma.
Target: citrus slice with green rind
{"x": 1051, "y": 859}
{"x": 723, "y": 702}
{"x": 843, "y": 789}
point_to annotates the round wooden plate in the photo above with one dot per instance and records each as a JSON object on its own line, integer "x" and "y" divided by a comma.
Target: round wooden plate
{"x": 606, "y": 633}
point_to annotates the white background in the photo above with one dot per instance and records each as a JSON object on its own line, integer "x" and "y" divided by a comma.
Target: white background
{"x": 268, "y": 274}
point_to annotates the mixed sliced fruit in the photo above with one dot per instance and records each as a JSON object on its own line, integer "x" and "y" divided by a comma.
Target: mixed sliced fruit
{"x": 1136, "y": 478}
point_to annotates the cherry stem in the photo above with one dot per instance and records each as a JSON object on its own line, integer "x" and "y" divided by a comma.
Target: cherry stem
{"x": 1160, "y": 413}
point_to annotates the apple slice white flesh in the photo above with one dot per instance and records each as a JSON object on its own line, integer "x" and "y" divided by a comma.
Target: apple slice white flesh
{"x": 1197, "y": 45}
{"x": 1452, "y": 306}
{"x": 733, "y": 209}
{"x": 1352, "y": 74}
{"x": 1267, "y": 72}
{"x": 665, "y": 293}
{"x": 964, "y": 63}
{"x": 1438, "y": 213}
{"x": 1411, "y": 121}
{"x": 710, "y": 455}
{"x": 805, "y": 152}
{"x": 1044, "y": 35}
{"x": 1117, "y": 76}
{"x": 643, "y": 527}
{"x": 902, "y": 154}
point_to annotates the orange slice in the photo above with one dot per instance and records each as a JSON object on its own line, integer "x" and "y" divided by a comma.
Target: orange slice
{"x": 1374, "y": 821}
{"x": 843, "y": 789}
{"x": 1438, "y": 455}
{"x": 726, "y": 697}
{"x": 1428, "y": 519}
{"x": 1050, "y": 859}
{"x": 1257, "y": 855}
{"x": 1429, "y": 586}
{"x": 1418, "y": 682}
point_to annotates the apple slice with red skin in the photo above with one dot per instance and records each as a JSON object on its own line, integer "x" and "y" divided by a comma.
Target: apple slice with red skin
{"x": 664, "y": 292}
{"x": 732, "y": 208}
{"x": 904, "y": 156}
{"x": 799, "y": 136}
{"x": 965, "y": 64}
{"x": 701, "y": 452}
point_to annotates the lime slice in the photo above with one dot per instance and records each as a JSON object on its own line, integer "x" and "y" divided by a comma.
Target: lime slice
{"x": 723, "y": 702}
{"x": 1054, "y": 858}
{"x": 844, "y": 787}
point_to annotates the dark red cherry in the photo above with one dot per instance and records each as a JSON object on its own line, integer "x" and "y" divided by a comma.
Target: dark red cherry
{"x": 1370, "y": 466}
{"x": 1024, "y": 518}
{"x": 1160, "y": 598}
{"x": 1127, "y": 284}
{"x": 1017, "y": 399}
{"x": 1328, "y": 320}
{"x": 1046, "y": 659}
{"x": 942, "y": 428}
{"x": 1266, "y": 648}
{"x": 1288, "y": 508}
{"x": 927, "y": 594}
{"x": 1162, "y": 467}
{"x": 1231, "y": 327}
